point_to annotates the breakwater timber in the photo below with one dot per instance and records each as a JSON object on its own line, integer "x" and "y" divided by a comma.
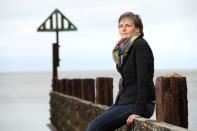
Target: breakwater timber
{"x": 75, "y": 102}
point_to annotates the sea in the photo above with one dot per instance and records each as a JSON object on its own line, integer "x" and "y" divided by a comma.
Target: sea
{"x": 24, "y": 96}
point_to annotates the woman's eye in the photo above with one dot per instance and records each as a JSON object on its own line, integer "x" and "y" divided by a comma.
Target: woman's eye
{"x": 120, "y": 26}
{"x": 127, "y": 25}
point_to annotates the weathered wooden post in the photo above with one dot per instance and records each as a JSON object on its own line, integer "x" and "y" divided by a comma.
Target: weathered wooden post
{"x": 104, "y": 91}
{"x": 70, "y": 87}
{"x": 60, "y": 86}
{"x": 76, "y": 88}
{"x": 63, "y": 86}
{"x": 66, "y": 87}
{"x": 88, "y": 89}
{"x": 171, "y": 100}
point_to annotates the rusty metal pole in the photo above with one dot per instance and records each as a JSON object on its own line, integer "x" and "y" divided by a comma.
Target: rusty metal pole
{"x": 55, "y": 60}
{"x": 171, "y": 100}
{"x": 56, "y": 50}
{"x": 104, "y": 91}
{"x": 57, "y": 27}
{"x": 55, "y": 64}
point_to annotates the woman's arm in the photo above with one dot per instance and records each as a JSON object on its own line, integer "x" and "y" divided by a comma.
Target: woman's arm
{"x": 144, "y": 68}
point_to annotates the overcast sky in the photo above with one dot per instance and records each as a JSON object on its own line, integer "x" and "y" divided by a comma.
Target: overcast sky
{"x": 169, "y": 25}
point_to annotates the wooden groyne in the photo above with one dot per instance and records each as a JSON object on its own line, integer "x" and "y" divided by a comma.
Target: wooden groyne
{"x": 70, "y": 113}
{"x": 75, "y": 102}
{"x": 99, "y": 91}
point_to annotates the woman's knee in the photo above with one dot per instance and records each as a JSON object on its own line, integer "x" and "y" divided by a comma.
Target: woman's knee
{"x": 90, "y": 127}
{"x": 97, "y": 127}
{"x": 94, "y": 125}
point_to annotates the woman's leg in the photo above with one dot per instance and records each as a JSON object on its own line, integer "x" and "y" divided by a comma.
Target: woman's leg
{"x": 111, "y": 119}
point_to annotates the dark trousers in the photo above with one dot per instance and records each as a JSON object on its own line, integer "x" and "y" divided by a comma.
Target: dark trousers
{"x": 116, "y": 116}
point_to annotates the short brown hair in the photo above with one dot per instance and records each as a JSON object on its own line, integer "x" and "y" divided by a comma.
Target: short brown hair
{"x": 136, "y": 19}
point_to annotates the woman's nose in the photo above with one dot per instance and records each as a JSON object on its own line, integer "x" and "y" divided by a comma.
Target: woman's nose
{"x": 124, "y": 28}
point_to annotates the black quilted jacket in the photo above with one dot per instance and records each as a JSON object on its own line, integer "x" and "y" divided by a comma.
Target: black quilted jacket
{"x": 137, "y": 72}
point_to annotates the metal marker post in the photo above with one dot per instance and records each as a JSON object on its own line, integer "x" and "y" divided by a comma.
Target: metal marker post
{"x": 60, "y": 19}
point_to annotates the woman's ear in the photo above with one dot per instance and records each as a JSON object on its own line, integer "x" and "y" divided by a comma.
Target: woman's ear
{"x": 137, "y": 30}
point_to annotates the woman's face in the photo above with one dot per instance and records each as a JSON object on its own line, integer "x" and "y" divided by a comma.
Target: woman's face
{"x": 127, "y": 28}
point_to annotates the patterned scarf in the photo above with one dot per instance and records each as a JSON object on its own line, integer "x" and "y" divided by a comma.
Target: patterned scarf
{"x": 121, "y": 49}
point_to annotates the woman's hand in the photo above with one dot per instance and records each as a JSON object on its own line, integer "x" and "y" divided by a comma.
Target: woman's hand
{"x": 131, "y": 118}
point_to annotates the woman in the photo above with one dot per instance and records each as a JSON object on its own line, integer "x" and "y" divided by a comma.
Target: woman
{"x": 134, "y": 61}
